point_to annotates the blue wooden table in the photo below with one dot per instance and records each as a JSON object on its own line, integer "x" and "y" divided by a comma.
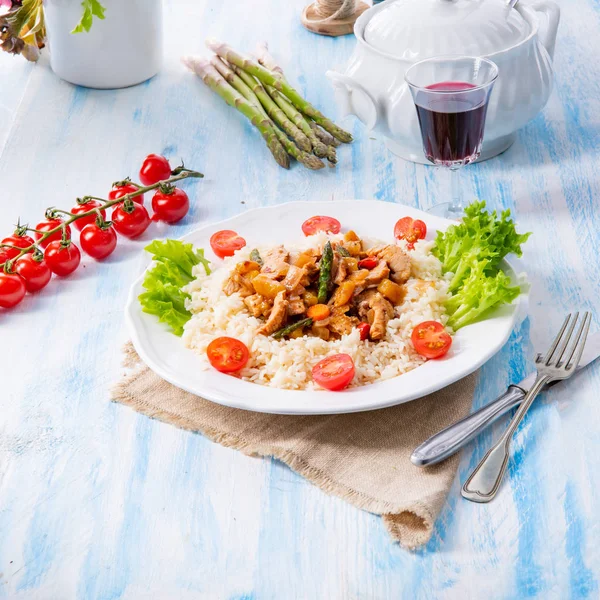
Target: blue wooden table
{"x": 98, "y": 502}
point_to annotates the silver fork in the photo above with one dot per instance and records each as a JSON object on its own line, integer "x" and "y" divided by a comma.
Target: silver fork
{"x": 484, "y": 482}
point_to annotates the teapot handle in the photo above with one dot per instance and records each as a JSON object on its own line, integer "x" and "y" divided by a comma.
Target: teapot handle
{"x": 363, "y": 106}
{"x": 549, "y": 14}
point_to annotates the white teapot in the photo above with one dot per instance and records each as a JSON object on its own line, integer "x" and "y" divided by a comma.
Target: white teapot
{"x": 393, "y": 35}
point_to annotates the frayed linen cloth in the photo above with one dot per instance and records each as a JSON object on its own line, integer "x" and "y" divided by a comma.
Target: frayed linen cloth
{"x": 362, "y": 458}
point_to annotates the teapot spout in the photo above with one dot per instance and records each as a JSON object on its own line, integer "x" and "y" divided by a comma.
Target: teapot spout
{"x": 549, "y": 15}
{"x": 353, "y": 99}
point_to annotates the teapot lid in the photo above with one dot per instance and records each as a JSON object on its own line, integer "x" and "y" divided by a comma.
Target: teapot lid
{"x": 417, "y": 29}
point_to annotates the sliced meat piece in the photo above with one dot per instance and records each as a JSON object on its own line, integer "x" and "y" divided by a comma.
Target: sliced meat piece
{"x": 296, "y": 306}
{"x": 341, "y": 323}
{"x": 381, "y": 311}
{"x": 238, "y": 283}
{"x": 275, "y": 262}
{"x": 377, "y": 275}
{"x": 397, "y": 260}
{"x": 342, "y": 272}
{"x": 293, "y": 278}
{"x": 277, "y": 317}
{"x": 258, "y": 305}
{"x": 363, "y": 301}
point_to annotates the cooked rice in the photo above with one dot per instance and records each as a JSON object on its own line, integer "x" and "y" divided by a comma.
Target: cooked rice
{"x": 287, "y": 363}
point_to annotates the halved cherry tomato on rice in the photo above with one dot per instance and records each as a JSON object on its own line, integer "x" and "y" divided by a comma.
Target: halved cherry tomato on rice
{"x": 368, "y": 263}
{"x": 335, "y": 372}
{"x": 430, "y": 339}
{"x": 320, "y": 223}
{"x": 411, "y": 230}
{"x": 226, "y": 243}
{"x": 365, "y": 330}
{"x": 227, "y": 354}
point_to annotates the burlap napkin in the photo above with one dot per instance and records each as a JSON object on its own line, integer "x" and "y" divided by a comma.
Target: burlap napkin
{"x": 362, "y": 458}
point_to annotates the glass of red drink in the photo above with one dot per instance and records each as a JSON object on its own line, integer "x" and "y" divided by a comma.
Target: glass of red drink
{"x": 451, "y": 95}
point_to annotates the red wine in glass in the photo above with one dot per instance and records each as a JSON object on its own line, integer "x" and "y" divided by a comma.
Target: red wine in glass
{"x": 452, "y": 121}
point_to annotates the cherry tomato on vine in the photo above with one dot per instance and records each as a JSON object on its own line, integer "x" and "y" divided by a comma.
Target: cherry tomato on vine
{"x": 227, "y": 354}
{"x": 226, "y": 243}
{"x": 335, "y": 372}
{"x": 3, "y": 256}
{"x": 81, "y": 208}
{"x": 35, "y": 272}
{"x": 19, "y": 242}
{"x": 132, "y": 223}
{"x": 410, "y": 229}
{"x": 320, "y": 223}
{"x": 62, "y": 259}
{"x": 98, "y": 242}
{"x": 170, "y": 205}
{"x": 12, "y": 289}
{"x": 430, "y": 339}
{"x": 155, "y": 168}
{"x": 118, "y": 191}
{"x": 47, "y": 225}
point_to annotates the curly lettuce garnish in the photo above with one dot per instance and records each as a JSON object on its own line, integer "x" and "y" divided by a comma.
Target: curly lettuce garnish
{"x": 472, "y": 251}
{"x": 174, "y": 261}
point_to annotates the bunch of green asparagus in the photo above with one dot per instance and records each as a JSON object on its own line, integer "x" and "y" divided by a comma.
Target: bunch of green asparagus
{"x": 289, "y": 124}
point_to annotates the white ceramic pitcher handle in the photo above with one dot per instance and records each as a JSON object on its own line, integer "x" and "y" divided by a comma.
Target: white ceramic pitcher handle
{"x": 549, "y": 14}
{"x": 367, "y": 111}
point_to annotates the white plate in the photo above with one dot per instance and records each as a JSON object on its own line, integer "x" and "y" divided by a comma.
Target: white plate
{"x": 165, "y": 353}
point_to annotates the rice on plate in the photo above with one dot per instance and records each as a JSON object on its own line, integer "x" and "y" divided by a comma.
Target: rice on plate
{"x": 288, "y": 363}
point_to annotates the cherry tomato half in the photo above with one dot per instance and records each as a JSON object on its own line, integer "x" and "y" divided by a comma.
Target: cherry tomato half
{"x": 18, "y": 242}
{"x": 118, "y": 191}
{"x": 410, "y": 229}
{"x": 130, "y": 224}
{"x": 170, "y": 206}
{"x": 430, "y": 339}
{"x": 226, "y": 243}
{"x": 62, "y": 260}
{"x": 320, "y": 223}
{"x": 47, "y": 225}
{"x": 365, "y": 330}
{"x": 35, "y": 273}
{"x": 12, "y": 289}
{"x": 155, "y": 168}
{"x": 227, "y": 354}
{"x": 335, "y": 372}
{"x": 368, "y": 263}
{"x": 81, "y": 208}
{"x": 98, "y": 242}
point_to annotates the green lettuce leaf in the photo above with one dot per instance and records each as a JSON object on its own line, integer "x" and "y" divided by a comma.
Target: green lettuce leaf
{"x": 472, "y": 251}
{"x": 173, "y": 266}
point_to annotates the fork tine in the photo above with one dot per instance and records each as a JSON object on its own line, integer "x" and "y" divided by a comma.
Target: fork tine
{"x": 557, "y": 339}
{"x": 579, "y": 345}
{"x": 562, "y": 347}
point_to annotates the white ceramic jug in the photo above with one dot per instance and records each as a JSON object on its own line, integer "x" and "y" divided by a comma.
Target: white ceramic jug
{"x": 122, "y": 50}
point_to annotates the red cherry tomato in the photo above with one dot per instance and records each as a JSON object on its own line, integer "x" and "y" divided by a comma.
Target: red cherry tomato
{"x": 170, "y": 206}
{"x": 12, "y": 289}
{"x": 335, "y": 372}
{"x": 227, "y": 354}
{"x": 226, "y": 243}
{"x": 155, "y": 168}
{"x": 47, "y": 225}
{"x": 319, "y": 223}
{"x": 35, "y": 273}
{"x": 410, "y": 229}
{"x": 18, "y": 242}
{"x": 62, "y": 260}
{"x": 365, "y": 330}
{"x": 430, "y": 339}
{"x": 81, "y": 208}
{"x": 118, "y": 191}
{"x": 98, "y": 242}
{"x": 368, "y": 263}
{"x": 130, "y": 224}
{"x": 3, "y": 256}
